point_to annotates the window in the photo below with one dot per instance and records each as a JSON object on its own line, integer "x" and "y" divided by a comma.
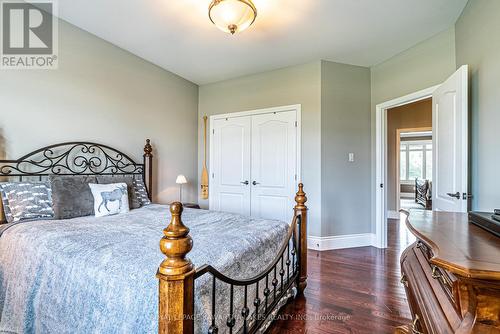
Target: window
{"x": 415, "y": 160}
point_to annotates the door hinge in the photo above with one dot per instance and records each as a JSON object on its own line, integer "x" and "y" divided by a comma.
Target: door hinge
{"x": 213, "y": 131}
{"x": 381, "y": 185}
{"x": 295, "y": 123}
{"x": 213, "y": 175}
{"x": 295, "y": 177}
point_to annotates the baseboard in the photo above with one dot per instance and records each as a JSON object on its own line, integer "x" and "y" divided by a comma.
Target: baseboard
{"x": 341, "y": 241}
{"x": 393, "y": 214}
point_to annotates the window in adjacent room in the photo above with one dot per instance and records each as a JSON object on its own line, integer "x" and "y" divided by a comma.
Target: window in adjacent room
{"x": 415, "y": 160}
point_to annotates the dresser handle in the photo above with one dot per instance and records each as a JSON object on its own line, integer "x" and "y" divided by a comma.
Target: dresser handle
{"x": 414, "y": 324}
{"x": 404, "y": 280}
{"x": 436, "y": 274}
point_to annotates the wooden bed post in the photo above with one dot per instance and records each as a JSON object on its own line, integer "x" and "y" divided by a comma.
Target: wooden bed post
{"x": 301, "y": 209}
{"x": 176, "y": 275}
{"x": 148, "y": 166}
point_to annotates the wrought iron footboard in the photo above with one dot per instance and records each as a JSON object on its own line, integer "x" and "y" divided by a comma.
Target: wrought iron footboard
{"x": 269, "y": 290}
{"x": 274, "y": 290}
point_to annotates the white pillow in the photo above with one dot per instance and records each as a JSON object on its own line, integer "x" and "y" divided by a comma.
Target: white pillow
{"x": 109, "y": 199}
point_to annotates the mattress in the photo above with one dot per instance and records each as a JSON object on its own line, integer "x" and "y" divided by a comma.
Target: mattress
{"x": 97, "y": 275}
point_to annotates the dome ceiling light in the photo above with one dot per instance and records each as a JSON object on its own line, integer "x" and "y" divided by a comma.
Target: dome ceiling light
{"x": 232, "y": 15}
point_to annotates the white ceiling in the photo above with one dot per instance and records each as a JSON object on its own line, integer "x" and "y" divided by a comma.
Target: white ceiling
{"x": 178, "y": 36}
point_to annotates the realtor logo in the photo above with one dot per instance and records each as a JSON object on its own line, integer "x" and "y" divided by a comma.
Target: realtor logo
{"x": 29, "y": 35}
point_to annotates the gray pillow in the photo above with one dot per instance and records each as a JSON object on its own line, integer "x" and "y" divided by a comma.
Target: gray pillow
{"x": 71, "y": 196}
{"x": 26, "y": 200}
{"x": 5, "y": 207}
{"x": 133, "y": 201}
{"x": 141, "y": 192}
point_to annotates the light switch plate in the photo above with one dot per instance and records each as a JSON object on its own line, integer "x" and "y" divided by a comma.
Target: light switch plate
{"x": 351, "y": 157}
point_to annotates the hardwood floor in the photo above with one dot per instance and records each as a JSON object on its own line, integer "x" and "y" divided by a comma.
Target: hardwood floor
{"x": 353, "y": 290}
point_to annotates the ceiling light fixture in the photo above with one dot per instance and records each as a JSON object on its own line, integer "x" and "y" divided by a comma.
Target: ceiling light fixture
{"x": 232, "y": 15}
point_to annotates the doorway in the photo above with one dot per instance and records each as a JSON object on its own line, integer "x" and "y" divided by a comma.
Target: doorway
{"x": 381, "y": 174}
{"x": 414, "y": 180}
{"x": 409, "y": 157}
{"x": 450, "y": 161}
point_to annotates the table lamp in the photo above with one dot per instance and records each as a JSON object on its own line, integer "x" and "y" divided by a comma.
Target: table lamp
{"x": 181, "y": 179}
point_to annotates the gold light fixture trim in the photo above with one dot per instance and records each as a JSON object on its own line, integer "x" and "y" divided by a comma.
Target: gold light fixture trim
{"x": 232, "y": 15}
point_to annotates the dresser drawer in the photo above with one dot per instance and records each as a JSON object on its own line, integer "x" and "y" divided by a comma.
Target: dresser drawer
{"x": 446, "y": 280}
{"x": 416, "y": 325}
{"x": 432, "y": 310}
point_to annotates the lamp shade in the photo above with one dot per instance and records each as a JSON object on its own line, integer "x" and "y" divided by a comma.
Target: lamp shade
{"x": 232, "y": 15}
{"x": 181, "y": 179}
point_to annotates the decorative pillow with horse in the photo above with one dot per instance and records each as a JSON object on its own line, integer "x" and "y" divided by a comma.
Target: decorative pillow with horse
{"x": 109, "y": 199}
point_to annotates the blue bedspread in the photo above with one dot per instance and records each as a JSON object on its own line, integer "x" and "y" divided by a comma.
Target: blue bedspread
{"x": 97, "y": 275}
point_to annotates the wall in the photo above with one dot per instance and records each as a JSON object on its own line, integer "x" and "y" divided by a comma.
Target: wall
{"x": 478, "y": 45}
{"x": 345, "y": 127}
{"x": 292, "y": 85}
{"x": 426, "y": 64}
{"x": 104, "y": 94}
{"x": 414, "y": 115}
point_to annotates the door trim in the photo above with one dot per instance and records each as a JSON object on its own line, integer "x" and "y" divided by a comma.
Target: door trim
{"x": 294, "y": 107}
{"x": 380, "y": 160}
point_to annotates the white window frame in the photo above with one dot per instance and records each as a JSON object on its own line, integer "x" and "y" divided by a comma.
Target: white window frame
{"x": 424, "y": 151}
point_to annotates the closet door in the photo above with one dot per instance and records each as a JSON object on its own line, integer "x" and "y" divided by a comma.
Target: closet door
{"x": 274, "y": 165}
{"x": 231, "y": 165}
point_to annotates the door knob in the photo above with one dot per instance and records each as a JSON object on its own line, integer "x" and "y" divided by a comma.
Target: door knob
{"x": 255, "y": 183}
{"x": 456, "y": 195}
{"x": 245, "y": 183}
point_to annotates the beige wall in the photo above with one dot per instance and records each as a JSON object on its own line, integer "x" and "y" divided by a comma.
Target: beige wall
{"x": 345, "y": 128}
{"x": 414, "y": 115}
{"x": 104, "y": 94}
{"x": 426, "y": 64}
{"x": 292, "y": 85}
{"x": 478, "y": 45}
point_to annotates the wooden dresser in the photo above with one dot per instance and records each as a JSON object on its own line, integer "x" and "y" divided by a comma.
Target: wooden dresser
{"x": 451, "y": 275}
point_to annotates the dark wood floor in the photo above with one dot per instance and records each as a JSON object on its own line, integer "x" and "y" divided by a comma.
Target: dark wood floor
{"x": 353, "y": 290}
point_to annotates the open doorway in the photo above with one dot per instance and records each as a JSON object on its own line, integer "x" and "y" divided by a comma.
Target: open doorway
{"x": 450, "y": 159}
{"x": 409, "y": 157}
{"x": 415, "y": 169}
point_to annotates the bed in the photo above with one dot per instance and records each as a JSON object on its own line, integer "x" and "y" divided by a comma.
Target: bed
{"x": 224, "y": 274}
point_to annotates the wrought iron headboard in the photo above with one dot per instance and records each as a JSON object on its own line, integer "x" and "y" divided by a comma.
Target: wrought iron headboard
{"x": 80, "y": 158}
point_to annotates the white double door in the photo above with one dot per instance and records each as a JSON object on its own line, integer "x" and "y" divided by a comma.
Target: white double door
{"x": 254, "y": 165}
